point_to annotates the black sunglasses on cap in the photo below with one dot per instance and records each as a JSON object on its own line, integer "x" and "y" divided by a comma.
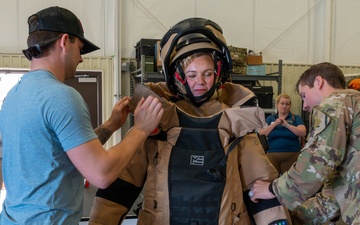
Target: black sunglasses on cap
{"x": 36, "y": 51}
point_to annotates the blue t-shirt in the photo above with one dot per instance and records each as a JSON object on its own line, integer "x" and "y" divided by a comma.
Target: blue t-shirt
{"x": 282, "y": 139}
{"x": 42, "y": 118}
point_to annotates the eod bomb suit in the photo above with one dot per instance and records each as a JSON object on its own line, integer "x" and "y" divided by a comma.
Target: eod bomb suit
{"x": 181, "y": 170}
{"x": 199, "y": 165}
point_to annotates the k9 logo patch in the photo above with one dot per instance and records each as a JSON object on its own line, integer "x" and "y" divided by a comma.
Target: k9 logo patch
{"x": 197, "y": 160}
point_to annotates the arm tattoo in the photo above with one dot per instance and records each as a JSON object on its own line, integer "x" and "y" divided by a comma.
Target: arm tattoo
{"x": 103, "y": 134}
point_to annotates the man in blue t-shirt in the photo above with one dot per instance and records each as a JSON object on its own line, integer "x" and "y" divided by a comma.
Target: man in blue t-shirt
{"x": 49, "y": 145}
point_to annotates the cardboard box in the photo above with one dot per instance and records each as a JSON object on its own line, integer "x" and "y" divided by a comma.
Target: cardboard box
{"x": 254, "y": 60}
{"x": 256, "y": 70}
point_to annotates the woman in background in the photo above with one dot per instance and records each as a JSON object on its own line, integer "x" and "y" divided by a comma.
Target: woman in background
{"x": 284, "y": 131}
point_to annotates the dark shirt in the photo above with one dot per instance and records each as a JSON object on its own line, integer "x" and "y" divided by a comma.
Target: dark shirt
{"x": 282, "y": 139}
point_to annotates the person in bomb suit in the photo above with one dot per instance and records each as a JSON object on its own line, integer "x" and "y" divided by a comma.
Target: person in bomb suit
{"x": 198, "y": 166}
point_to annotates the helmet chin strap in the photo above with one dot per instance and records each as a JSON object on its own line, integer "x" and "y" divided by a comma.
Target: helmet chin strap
{"x": 199, "y": 100}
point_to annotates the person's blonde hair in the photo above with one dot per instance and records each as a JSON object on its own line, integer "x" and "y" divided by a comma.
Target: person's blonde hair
{"x": 186, "y": 61}
{"x": 283, "y": 95}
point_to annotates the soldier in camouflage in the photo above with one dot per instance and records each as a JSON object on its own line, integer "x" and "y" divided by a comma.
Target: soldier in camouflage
{"x": 324, "y": 182}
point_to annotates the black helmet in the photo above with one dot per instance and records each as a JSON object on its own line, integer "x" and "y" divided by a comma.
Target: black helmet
{"x": 188, "y": 37}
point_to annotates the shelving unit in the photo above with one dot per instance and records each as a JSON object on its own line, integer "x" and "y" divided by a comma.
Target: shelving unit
{"x": 141, "y": 76}
{"x": 275, "y": 76}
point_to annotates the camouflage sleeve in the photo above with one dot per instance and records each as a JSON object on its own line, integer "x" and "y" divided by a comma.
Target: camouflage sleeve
{"x": 318, "y": 209}
{"x": 318, "y": 160}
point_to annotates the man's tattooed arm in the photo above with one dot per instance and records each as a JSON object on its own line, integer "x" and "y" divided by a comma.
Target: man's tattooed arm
{"x": 103, "y": 134}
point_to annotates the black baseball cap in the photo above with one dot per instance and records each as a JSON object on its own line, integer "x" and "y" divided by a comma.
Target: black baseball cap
{"x": 61, "y": 20}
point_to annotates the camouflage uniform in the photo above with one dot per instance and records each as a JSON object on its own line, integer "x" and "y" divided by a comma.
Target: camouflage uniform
{"x": 328, "y": 166}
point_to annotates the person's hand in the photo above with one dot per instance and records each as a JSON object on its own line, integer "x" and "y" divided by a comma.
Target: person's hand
{"x": 119, "y": 114}
{"x": 260, "y": 190}
{"x": 117, "y": 118}
{"x": 285, "y": 124}
{"x": 279, "y": 121}
{"x": 147, "y": 114}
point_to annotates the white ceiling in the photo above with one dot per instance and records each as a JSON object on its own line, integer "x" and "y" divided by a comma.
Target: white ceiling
{"x": 296, "y": 31}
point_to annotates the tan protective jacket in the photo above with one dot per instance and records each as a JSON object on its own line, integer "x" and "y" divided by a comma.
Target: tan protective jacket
{"x": 246, "y": 163}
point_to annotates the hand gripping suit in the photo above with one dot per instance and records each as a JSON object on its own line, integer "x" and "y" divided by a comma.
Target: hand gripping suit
{"x": 197, "y": 169}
